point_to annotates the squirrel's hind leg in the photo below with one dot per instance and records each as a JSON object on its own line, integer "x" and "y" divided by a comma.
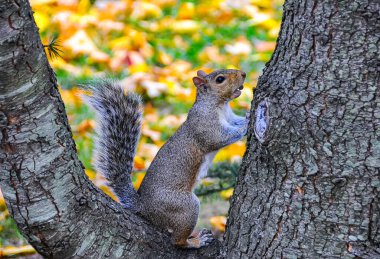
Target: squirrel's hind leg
{"x": 204, "y": 238}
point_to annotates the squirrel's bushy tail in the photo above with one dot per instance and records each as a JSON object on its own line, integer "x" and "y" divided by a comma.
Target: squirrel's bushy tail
{"x": 118, "y": 129}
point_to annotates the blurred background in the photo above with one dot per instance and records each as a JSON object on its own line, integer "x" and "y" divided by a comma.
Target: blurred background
{"x": 153, "y": 48}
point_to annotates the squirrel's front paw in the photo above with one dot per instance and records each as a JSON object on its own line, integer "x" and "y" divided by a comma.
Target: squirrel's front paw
{"x": 205, "y": 237}
{"x": 243, "y": 128}
{"x": 239, "y": 122}
{"x": 247, "y": 119}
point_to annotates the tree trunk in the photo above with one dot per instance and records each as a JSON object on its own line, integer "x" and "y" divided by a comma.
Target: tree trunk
{"x": 60, "y": 212}
{"x": 309, "y": 184}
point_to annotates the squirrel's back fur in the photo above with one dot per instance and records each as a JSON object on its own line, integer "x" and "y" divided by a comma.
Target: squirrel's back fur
{"x": 119, "y": 117}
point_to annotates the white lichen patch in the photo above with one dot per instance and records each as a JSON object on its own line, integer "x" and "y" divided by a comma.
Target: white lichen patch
{"x": 262, "y": 121}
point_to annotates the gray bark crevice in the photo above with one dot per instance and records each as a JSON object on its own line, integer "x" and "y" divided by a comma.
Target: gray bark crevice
{"x": 60, "y": 212}
{"x": 310, "y": 187}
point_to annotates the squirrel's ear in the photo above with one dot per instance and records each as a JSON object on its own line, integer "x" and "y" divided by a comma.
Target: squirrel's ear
{"x": 201, "y": 73}
{"x": 198, "y": 81}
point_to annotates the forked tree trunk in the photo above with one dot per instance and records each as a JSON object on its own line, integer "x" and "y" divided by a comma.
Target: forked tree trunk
{"x": 309, "y": 184}
{"x": 60, "y": 212}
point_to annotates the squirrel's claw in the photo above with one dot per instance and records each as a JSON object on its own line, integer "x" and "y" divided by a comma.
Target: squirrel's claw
{"x": 248, "y": 115}
{"x": 205, "y": 237}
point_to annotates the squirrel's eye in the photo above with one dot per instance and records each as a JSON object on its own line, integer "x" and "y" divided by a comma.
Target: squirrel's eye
{"x": 220, "y": 79}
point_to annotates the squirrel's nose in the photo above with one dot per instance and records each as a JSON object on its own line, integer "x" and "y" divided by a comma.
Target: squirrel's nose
{"x": 243, "y": 74}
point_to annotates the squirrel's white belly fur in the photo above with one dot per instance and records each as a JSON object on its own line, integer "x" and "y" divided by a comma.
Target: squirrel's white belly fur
{"x": 206, "y": 164}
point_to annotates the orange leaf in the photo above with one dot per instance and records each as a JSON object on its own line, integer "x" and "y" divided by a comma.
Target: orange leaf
{"x": 85, "y": 126}
{"x": 218, "y": 222}
{"x": 139, "y": 163}
{"x": 264, "y": 46}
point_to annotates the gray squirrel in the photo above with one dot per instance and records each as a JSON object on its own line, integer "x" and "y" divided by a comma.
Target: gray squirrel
{"x": 166, "y": 196}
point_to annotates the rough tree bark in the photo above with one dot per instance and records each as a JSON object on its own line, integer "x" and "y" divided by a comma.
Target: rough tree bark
{"x": 309, "y": 184}
{"x": 60, "y": 212}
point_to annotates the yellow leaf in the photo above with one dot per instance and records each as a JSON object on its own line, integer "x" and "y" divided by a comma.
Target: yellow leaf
{"x": 107, "y": 190}
{"x": 139, "y": 179}
{"x": 270, "y": 23}
{"x": 230, "y": 152}
{"x": 250, "y": 10}
{"x": 218, "y": 222}
{"x": 4, "y": 215}
{"x": 185, "y": 26}
{"x": 137, "y": 38}
{"x": 71, "y": 97}
{"x": 80, "y": 43}
{"x": 84, "y": 6}
{"x": 232, "y": 67}
{"x": 41, "y": 2}
{"x": 120, "y": 43}
{"x": 136, "y": 62}
{"x": 262, "y": 3}
{"x": 185, "y": 94}
{"x": 2, "y": 201}
{"x": 260, "y": 57}
{"x": 90, "y": 174}
{"x": 142, "y": 10}
{"x": 68, "y": 3}
{"x": 60, "y": 63}
{"x": 165, "y": 3}
{"x": 13, "y": 250}
{"x": 260, "y": 18}
{"x": 164, "y": 58}
{"x": 42, "y": 20}
{"x": 186, "y": 10}
{"x": 208, "y": 181}
{"x": 138, "y": 68}
{"x": 226, "y": 194}
{"x": 179, "y": 67}
{"x": 112, "y": 9}
{"x": 274, "y": 32}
